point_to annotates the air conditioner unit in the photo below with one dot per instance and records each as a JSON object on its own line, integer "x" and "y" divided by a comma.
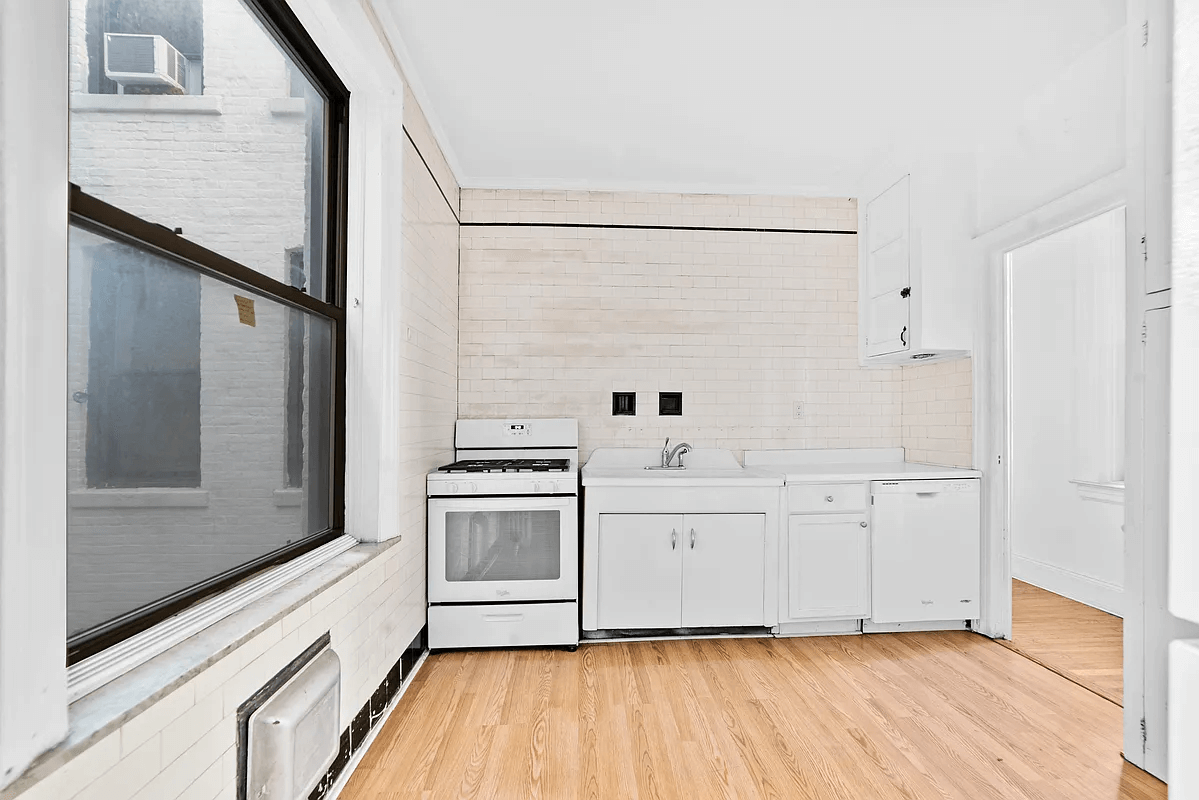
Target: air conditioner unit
{"x": 143, "y": 59}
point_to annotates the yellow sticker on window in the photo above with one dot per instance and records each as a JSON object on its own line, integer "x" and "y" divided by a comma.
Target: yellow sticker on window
{"x": 245, "y": 310}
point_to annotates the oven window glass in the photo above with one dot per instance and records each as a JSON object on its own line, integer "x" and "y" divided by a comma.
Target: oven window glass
{"x": 503, "y": 545}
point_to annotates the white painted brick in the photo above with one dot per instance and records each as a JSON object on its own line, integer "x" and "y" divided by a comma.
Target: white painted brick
{"x": 187, "y": 729}
{"x": 78, "y": 773}
{"x": 139, "y": 729}
{"x": 129, "y": 774}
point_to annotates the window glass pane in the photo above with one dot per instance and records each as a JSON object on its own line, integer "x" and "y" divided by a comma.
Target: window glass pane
{"x": 241, "y": 169}
{"x": 198, "y": 435}
{"x": 503, "y": 545}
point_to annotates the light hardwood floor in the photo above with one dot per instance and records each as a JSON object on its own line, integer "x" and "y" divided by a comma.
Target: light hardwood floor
{"x": 921, "y": 715}
{"x": 1082, "y": 643}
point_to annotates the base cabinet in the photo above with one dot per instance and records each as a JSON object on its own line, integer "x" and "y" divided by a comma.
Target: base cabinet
{"x": 640, "y": 571}
{"x": 828, "y": 562}
{"x": 680, "y": 570}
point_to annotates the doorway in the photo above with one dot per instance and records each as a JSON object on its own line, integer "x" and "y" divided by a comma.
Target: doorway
{"x": 1065, "y": 354}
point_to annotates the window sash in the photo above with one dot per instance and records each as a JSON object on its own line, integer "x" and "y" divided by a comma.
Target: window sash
{"x": 91, "y": 213}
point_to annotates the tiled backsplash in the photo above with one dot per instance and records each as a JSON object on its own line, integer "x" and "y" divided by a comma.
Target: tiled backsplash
{"x": 555, "y": 318}
{"x": 938, "y": 413}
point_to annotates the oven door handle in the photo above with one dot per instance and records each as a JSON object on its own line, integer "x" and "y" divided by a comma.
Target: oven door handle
{"x": 485, "y": 503}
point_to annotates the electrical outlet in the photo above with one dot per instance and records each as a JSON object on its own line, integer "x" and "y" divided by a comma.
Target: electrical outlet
{"x": 797, "y": 412}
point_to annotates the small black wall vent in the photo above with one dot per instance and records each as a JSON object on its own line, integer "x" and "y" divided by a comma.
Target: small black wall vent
{"x": 624, "y": 404}
{"x": 670, "y": 404}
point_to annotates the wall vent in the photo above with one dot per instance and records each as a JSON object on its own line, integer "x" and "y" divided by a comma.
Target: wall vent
{"x": 289, "y": 730}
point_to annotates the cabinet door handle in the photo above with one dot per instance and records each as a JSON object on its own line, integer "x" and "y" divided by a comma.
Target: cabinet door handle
{"x": 693, "y": 538}
{"x": 903, "y": 336}
{"x": 863, "y": 524}
{"x": 674, "y": 539}
{"x": 828, "y": 499}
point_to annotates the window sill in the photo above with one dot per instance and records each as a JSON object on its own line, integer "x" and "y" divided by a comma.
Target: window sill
{"x": 289, "y": 106}
{"x": 139, "y": 498}
{"x": 102, "y": 712}
{"x": 1111, "y": 493}
{"x": 287, "y": 498}
{"x": 146, "y": 103}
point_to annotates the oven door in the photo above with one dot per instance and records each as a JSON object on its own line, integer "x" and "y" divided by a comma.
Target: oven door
{"x": 496, "y": 549}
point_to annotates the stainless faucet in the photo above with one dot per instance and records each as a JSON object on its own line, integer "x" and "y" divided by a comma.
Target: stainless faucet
{"x": 668, "y": 455}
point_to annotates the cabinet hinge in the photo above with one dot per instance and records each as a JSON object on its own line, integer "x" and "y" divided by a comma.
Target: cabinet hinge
{"x": 1144, "y": 333}
{"x": 999, "y": 459}
{"x": 1145, "y": 249}
{"x": 1144, "y": 732}
{"x": 1145, "y": 33}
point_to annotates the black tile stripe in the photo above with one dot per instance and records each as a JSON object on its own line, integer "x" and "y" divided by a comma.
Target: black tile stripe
{"x": 436, "y": 182}
{"x": 650, "y": 227}
{"x": 372, "y": 712}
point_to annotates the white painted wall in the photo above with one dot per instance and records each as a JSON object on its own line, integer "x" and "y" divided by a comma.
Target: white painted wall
{"x": 1064, "y": 376}
{"x": 33, "y": 325}
{"x": 1065, "y": 135}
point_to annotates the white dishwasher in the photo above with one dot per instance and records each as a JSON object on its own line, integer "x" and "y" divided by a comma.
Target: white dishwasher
{"x": 925, "y": 550}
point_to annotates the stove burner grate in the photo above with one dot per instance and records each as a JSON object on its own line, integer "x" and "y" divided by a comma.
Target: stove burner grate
{"x": 509, "y": 465}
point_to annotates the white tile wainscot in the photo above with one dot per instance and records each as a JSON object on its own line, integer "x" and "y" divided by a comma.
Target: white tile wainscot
{"x": 692, "y": 546}
{"x": 825, "y": 529}
{"x": 166, "y": 729}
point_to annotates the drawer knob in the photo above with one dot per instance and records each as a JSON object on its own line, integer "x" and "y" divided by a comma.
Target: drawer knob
{"x": 863, "y": 524}
{"x": 828, "y": 499}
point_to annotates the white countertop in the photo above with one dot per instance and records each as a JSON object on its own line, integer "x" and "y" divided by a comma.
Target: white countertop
{"x": 849, "y": 465}
{"x": 849, "y": 473}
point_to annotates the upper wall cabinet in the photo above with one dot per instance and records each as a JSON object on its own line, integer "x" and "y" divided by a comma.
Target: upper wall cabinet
{"x": 915, "y": 298}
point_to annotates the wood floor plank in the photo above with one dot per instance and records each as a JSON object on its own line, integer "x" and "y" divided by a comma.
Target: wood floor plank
{"x": 916, "y": 715}
{"x": 1082, "y": 643}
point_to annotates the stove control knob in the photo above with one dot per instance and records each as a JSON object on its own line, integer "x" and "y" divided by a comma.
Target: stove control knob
{"x": 536, "y": 486}
{"x": 554, "y": 487}
{"x": 453, "y": 488}
{"x": 474, "y": 487}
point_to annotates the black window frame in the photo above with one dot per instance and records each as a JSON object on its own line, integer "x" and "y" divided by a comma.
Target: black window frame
{"x": 91, "y": 213}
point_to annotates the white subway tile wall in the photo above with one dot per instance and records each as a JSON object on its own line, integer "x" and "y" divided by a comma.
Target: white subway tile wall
{"x": 184, "y": 746}
{"x": 555, "y": 319}
{"x": 418, "y": 128}
{"x": 429, "y": 313}
{"x": 938, "y": 415}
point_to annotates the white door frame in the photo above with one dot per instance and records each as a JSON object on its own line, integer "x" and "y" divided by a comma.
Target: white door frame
{"x": 992, "y": 409}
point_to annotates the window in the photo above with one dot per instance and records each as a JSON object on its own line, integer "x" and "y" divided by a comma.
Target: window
{"x": 206, "y": 327}
{"x": 143, "y": 370}
{"x": 145, "y": 46}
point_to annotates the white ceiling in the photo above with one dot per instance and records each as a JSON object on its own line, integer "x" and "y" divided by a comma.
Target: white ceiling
{"x": 701, "y": 95}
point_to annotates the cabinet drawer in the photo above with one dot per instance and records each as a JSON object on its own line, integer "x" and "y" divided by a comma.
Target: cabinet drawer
{"x": 825, "y": 498}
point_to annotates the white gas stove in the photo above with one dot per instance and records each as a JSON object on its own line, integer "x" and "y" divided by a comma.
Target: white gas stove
{"x": 503, "y": 536}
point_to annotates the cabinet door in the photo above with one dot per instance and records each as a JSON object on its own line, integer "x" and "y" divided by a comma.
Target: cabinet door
{"x": 640, "y": 570}
{"x": 723, "y": 569}
{"x": 828, "y": 566}
{"x": 888, "y": 271}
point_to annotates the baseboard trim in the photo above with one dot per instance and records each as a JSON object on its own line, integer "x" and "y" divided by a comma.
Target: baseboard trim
{"x": 369, "y": 720}
{"x": 908, "y": 627}
{"x": 845, "y": 627}
{"x": 1082, "y": 588}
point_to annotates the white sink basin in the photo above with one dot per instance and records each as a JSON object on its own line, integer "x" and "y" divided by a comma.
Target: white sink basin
{"x": 634, "y": 457}
{"x": 641, "y": 466}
